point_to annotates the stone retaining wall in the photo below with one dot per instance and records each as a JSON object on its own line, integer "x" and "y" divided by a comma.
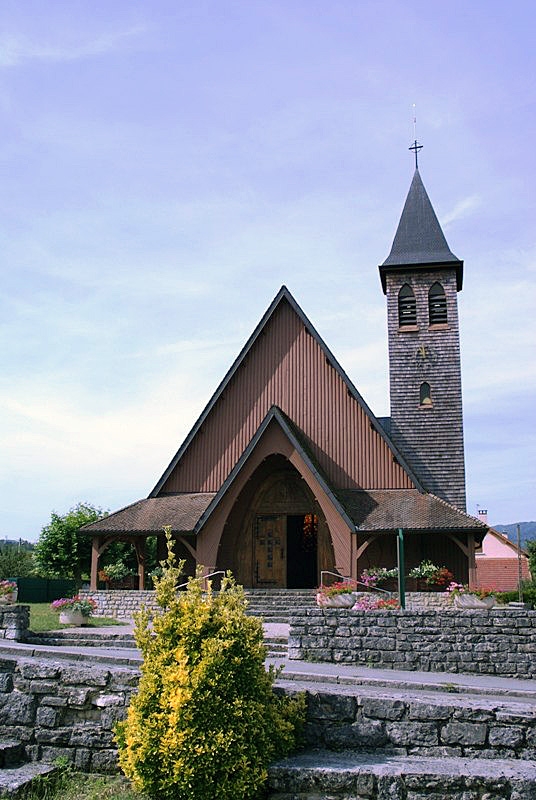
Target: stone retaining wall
{"x": 432, "y": 726}
{"x": 123, "y": 603}
{"x": 14, "y": 621}
{"x": 497, "y": 642}
{"x": 64, "y": 709}
{"x": 120, "y": 603}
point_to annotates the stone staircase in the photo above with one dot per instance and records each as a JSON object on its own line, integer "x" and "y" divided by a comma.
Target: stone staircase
{"x": 16, "y": 775}
{"x": 277, "y": 646}
{"x": 277, "y": 605}
{"x": 390, "y": 737}
{"x": 368, "y": 742}
{"x": 322, "y": 775}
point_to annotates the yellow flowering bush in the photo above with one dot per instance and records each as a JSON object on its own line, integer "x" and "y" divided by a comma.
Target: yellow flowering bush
{"x": 205, "y": 722}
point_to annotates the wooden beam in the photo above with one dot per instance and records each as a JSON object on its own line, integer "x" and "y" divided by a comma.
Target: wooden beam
{"x": 463, "y": 548}
{"x": 188, "y": 546}
{"x": 363, "y": 546}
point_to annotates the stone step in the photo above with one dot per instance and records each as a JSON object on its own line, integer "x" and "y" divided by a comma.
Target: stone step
{"x": 82, "y": 641}
{"x": 18, "y": 781}
{"x": 324, "y": 775}
{"x": 11, "y": 753}
{"x": 89, "y": 633}
{"x": 277, "y": 645}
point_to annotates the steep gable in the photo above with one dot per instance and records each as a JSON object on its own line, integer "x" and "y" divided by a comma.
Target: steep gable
{"x": 285, "y": 363}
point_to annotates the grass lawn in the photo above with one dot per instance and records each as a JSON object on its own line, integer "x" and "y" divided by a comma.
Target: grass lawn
{"x": 43, "y": 618}
{"x": 76, "y": 786}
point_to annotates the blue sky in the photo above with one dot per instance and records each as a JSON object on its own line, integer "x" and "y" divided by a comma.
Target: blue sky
{"x": 167, "y": 166}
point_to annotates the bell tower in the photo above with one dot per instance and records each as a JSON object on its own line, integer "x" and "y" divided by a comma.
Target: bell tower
{"x": 421, "y": 278}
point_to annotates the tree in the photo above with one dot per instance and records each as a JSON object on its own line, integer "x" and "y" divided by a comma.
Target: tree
{"x": 205, "y": 722}
{"x": 62, "y": 551}
{"x": 15, "y": 562}
{"x": 531, "y": 548}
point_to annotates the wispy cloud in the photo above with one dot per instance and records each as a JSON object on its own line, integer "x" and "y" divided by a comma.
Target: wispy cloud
{"x": 462, "y": 209}
{"x": 16, "y": 50}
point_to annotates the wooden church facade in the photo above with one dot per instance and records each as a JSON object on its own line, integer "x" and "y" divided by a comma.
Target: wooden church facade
{"x": 287, "y": 472}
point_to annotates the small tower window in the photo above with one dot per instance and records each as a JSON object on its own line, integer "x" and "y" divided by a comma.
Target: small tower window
{"x": 407, "y": 307}
{"x": 425, "y": 395}
{"x": 437, "y": 305}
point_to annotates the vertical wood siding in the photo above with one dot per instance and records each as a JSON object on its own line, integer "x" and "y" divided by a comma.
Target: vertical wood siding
{"x": 287, "y": 367}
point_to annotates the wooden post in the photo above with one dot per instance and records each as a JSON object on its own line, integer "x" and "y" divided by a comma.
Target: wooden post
{"x": 471, "y": 559}
{"x": 95, "y": 554}
{"x": 139, "y": 547}
{"x": 353, "y": 555}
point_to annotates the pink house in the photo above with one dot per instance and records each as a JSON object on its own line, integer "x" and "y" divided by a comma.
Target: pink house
{"x": 497, "y": 562}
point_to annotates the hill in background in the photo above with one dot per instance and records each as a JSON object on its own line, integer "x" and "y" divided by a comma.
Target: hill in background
{"x": 528, "y": 531}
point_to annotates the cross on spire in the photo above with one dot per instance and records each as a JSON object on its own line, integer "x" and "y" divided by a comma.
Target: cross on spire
{"x": 416, "y": 147}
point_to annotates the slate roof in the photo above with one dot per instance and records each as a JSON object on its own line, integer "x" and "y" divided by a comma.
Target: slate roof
{"x": 180, "y": 511}
{"x": 373, "y": 511}
{"x": 419, "y": 241}
{"x": 388, "y": 509}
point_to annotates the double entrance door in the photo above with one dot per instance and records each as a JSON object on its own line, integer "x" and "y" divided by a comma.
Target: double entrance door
{"x": 285, "y": 551}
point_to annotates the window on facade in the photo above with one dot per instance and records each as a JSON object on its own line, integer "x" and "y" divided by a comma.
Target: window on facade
{"x": 425, "y": 395}
{"x": 407, "y": 307}
{"x": 437, "y": 305}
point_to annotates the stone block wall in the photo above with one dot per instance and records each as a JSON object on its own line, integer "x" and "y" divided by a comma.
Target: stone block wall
{"x": 120, "y": 603}
{"x": 497, "y": 642}
{"x": 65, "y": 709}
{"x": 14, "y": 622}
{"x": 430, "y": 726}
{"x": 123, "y": 603}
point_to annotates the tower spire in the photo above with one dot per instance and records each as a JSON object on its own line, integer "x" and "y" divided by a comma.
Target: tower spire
{"x": 419, "y": 242}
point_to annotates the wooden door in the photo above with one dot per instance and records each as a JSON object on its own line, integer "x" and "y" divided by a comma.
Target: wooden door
{"x": 270, "y": 537}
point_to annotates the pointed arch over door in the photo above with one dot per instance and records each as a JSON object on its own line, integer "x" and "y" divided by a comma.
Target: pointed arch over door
{"x": 276, "y": 535}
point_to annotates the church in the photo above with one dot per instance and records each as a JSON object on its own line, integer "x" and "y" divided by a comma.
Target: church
{"x": 288, "y": 473}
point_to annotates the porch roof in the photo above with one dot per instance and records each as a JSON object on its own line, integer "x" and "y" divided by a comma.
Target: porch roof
{"x": 386, "y": 510}
{"x": 148, "y": 517}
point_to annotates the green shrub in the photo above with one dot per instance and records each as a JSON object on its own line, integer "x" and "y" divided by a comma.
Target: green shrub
{"x": 529, "y": 595}
{"x": 205, "y": 722}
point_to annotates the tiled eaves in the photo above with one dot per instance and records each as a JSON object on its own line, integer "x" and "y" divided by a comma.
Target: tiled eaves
{"x": 387, "y": 510}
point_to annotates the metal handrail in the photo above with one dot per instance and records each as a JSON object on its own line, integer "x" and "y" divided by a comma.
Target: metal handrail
{"x": 346, "y": 578}
{"x": 203, "y": 578}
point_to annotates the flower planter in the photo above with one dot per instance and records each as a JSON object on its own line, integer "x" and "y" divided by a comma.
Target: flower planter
{"x": 9, "y": 597}
{"x": 472, "y": 601}
{"x": 345, "y": 600}
{"x": 72, "y": 618}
